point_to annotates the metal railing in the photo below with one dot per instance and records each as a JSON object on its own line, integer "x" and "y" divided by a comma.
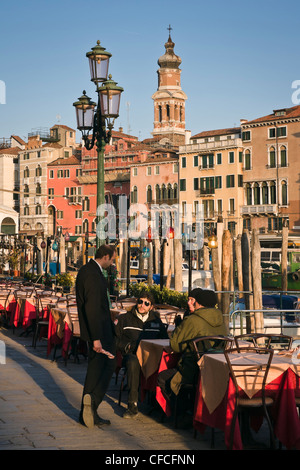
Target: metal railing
{"x": 241, "y": 326}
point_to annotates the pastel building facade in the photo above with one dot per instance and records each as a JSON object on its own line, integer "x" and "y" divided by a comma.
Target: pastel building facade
{"x": 211, "y": 178}
{"x": 41, "y": 149}
{"x": 271, "y": 152}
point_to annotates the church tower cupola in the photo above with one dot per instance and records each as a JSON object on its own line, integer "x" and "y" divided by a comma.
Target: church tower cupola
{"x": 169, "y": 99}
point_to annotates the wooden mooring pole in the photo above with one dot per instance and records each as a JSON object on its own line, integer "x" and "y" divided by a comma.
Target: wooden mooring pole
{"x": 247, "y": 281}
{"x": 226, "y": 267}
{"x": 256, "y": 282}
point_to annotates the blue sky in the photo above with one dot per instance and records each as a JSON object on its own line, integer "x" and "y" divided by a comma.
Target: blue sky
{"x": 239, "y": 59}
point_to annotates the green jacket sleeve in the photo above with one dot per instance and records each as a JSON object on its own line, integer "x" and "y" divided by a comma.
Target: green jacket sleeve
{"x": 182, "y": 334}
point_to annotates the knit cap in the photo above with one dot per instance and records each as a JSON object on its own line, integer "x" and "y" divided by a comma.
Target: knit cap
{"x": 205, "y": 297}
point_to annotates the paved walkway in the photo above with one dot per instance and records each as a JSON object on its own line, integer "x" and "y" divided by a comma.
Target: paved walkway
{"x": 40, "y": 401}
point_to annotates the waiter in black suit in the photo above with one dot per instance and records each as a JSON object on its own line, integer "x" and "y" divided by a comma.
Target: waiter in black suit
{"x": 97, "y": 328}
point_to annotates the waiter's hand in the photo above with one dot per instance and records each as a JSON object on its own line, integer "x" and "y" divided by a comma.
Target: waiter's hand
{"x": 97, "y": 346}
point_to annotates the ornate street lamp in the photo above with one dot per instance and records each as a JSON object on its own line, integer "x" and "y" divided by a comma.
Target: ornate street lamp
{"x": 100, "y": 119}
{"x": 212, "y": 241}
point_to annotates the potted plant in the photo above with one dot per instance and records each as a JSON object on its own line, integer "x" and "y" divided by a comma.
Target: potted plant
{"x": 114, "y": 283}
{"x": 2, "y": 262}
{"x": 65, "y": 280}
{"x": 13, "y": 259}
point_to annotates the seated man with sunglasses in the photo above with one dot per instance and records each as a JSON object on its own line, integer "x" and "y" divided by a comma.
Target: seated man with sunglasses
{"x": 142, "y": 322}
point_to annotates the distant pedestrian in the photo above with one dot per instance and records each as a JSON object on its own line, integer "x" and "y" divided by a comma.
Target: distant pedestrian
{"x": 97, "y": 328}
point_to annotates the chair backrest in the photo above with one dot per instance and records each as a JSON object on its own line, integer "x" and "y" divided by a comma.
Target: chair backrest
{"x": 71, "y": 304}
{"x": 211, "y": 344}
{"x": 267, "y": 340}
{"x": 49, "y": 292}
{"x": 4, "y": 298}
{"x": 73, "y": 316}
{"x": 71, "y": 298}
{"x": 116, "y": 301}
{"x": 20, "y": 293}
{"x": 44, "y": 301}
{"x": 257, "y": 372}
{"x": 170, "y": 318}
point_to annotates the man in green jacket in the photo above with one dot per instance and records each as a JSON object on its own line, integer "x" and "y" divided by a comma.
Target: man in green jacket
{"x": 204, "y": 319}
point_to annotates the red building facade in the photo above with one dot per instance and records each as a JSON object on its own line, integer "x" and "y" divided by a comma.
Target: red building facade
{"x": 65, "y": 195}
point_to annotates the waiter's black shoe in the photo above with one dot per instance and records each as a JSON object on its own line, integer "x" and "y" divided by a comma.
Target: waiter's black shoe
{"x": 87, "y": 412}
{"x": 101, "y": 421}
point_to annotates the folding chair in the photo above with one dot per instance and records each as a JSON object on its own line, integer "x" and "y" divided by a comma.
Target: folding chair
{"x": 258, "y": 372}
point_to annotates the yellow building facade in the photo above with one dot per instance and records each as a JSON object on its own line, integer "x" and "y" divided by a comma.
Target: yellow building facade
{"x": 210, "y": 178}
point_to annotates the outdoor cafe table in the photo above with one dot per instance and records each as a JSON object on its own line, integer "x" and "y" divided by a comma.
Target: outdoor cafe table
{"x": 215, "y": 396}
{"x": 61, "y": 326}
{"x": 154, "y": 356}
{"x": 22, "y": 311}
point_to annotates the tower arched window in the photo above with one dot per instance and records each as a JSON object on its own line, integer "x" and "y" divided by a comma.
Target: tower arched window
{"x": 38, "y": 189}
{"x": 38, "y": 171}
{"x": 168, "y": 111}
{"x": 26, "y": 172}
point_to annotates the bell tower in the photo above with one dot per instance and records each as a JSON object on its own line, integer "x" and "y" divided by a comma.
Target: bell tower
{"x": 169, "y": 99}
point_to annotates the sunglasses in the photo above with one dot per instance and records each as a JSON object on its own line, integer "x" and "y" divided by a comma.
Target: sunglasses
{"x": 140, "y": 302}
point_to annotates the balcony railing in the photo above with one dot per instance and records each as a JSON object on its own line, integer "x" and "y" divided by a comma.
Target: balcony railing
{"x": 206, "y": 191}
{"x": 205, "y": 146}
{"x": 259, "y": 209}
{"x": 169, "y": 201}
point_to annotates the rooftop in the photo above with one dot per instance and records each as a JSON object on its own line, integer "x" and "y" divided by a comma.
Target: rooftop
{"x": 212, "y": 133}
{"x": 277, "y": 115}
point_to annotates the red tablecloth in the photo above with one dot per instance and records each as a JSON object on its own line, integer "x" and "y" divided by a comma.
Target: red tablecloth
{"x": 287, "y": 425}
{"x": 54, "y": 339}
{"x": 21, "y": 313}
{"x": 168, "y": 361}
